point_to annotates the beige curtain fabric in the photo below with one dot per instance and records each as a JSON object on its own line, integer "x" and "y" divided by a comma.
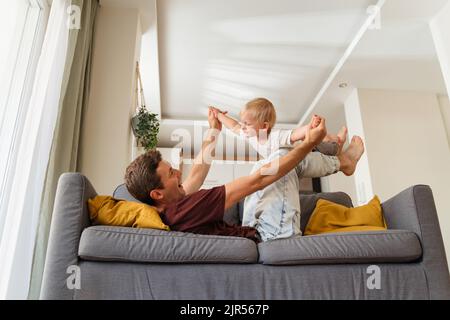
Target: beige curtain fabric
{"x": 64, "y": 152}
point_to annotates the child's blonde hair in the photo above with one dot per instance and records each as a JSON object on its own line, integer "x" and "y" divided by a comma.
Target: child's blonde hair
{"x": 262, "y": 110}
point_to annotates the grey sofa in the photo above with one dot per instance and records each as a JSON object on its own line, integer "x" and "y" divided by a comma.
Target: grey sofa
{"x": 405, "y": 262}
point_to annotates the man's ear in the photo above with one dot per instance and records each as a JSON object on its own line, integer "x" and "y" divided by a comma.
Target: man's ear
{"x": 156, "y": 195}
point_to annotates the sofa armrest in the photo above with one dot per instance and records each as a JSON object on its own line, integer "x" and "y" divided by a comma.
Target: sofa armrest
{"x": 70, "y": 217}
{"x": 414, "y": 209}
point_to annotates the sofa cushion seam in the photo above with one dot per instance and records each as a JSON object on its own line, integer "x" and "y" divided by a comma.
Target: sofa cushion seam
{"x": 92, "y": 257}
{"x": 409, "y": 258}
{"x": 227, "y": 238}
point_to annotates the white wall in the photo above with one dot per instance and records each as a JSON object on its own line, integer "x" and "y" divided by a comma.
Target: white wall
{"x": 407, "y": 145}
{"x": 221, "y": 171}
{"x": 106, "y": 135}
{"x": 340, "y": 182}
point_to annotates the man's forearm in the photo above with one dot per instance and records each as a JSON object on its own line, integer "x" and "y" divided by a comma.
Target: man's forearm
{"x": 244, "y": 186}
{"x": 202, "y": 161}
{"x": 278, "y": 168}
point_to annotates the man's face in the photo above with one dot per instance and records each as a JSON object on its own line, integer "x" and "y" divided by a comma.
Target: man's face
{"x": 172, "y": 190}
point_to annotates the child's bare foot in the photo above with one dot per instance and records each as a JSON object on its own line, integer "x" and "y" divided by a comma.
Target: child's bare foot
{"x": 350, "y": 157}
{"x": 339, "y": 139}
{"x": 342, "y": 138}
{"x": 342, "y": 134}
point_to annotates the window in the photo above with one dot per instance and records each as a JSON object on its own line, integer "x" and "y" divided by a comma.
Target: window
{"x": 22, "y": 29}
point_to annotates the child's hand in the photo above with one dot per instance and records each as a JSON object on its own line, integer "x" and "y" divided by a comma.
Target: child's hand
{"x": 217, "y": 111}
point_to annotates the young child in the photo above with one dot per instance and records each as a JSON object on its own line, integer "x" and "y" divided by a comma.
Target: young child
{"x": 258, "y": 118}
{"x": 275, "y": 210}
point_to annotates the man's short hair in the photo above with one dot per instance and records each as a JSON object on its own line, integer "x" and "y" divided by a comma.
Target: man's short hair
{"x": 141, "y": 177}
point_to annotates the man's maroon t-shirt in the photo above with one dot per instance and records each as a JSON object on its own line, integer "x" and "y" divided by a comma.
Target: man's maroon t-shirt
{"x": 202, "y": 212}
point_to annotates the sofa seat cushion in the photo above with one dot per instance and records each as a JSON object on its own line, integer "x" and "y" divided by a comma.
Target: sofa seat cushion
{"x": 106, "y": 243}
{"x": 349, "y": 247}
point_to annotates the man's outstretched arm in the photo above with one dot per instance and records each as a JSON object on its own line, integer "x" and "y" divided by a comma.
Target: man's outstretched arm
{"x": 242, "y": 187}
{"x": 202, "y": 162}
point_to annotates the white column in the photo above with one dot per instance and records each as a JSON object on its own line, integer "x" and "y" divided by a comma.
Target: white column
{"x": 150, "y": 60}
{"x": 362, "y": 176}
{"x": 440, "y": 27}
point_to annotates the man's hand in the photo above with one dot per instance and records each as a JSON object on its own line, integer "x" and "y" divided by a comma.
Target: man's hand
{"x": 214, "y": 123}
{"x": 316, "y": 131}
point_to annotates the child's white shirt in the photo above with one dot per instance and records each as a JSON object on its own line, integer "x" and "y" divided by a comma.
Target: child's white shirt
{"x": 276, "y": 140}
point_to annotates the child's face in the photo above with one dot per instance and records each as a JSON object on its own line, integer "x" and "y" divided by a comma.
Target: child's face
{"x": 250, "y": 126}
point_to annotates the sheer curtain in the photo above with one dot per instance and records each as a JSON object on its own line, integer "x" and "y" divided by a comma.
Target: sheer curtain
{"x": 64, "y": 152}
{"x": 21, "y": 36}
{"x": 20, "y": 208}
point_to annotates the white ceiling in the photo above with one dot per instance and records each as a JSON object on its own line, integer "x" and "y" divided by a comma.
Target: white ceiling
{"x": 399, "y": 56}
{"x": 227, "y": 52}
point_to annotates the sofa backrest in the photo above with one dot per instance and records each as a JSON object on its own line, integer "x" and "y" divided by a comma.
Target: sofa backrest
{"x": 308, "y": 204}
{"x": 122, "y": 192}
{"x": 70, "y": 217}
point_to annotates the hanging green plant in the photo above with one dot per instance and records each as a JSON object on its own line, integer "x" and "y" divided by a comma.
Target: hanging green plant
{"x": 145, "y": 124}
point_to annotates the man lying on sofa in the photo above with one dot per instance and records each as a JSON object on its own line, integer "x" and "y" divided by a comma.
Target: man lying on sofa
{"x": 183, "y": 207}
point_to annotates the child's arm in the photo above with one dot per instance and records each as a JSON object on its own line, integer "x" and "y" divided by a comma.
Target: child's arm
{"x": 227, "y": 121}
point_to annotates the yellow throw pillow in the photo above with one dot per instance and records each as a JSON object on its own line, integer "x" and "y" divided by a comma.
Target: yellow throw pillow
{"x": 106, "y": 210}
{"x": 332, "y": 217}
